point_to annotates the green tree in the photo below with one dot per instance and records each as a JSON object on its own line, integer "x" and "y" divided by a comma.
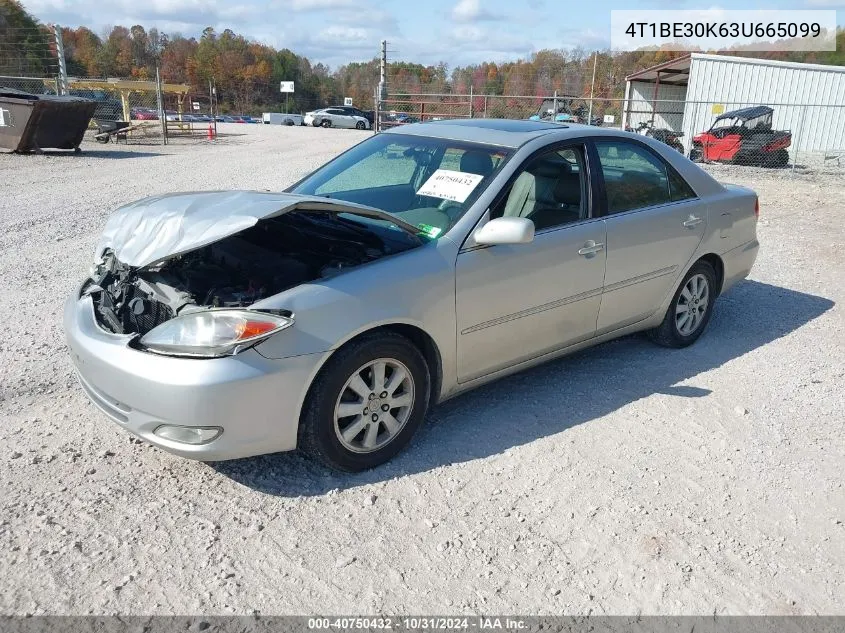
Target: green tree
{"x": 25, "y": 45}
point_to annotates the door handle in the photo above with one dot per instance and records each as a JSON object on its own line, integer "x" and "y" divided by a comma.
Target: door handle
{"x": 590, "y": 248}
{"x": 692, "y": 221}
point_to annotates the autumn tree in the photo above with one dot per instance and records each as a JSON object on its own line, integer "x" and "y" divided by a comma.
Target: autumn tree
{"x": 247, "y": 73}
{"x": 25, "y": 45}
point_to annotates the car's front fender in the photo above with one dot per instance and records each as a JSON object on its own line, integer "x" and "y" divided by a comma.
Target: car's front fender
{"x": 414, "y": 288}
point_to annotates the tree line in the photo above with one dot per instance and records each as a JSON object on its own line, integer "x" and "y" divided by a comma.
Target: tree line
{"x": 247, "y": 73}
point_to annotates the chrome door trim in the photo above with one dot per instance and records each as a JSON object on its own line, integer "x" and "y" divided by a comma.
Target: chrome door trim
{"x": 466, "y": 385}
{"x": 531, "y": 311}
{"x": 641, "y": 278}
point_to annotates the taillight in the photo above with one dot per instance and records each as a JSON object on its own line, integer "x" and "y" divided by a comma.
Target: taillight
{"x": 757, "y": 208}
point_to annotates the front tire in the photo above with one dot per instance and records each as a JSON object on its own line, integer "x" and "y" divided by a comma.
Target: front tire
{"x": 690, "y": 309}
{"x": 696, "y": 154}
{"x": 360, "y": 125}
{"x": 326, "y": 123}
{"x": 366, "y": 403}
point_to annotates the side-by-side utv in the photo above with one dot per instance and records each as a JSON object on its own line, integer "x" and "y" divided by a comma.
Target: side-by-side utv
{"x": 743, "y": 136}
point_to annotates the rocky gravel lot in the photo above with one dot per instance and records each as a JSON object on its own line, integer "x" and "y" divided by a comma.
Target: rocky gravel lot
{"x": 623, "y": 479}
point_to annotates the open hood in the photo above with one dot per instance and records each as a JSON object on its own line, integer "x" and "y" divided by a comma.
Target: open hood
{"x": 157, "y": 228}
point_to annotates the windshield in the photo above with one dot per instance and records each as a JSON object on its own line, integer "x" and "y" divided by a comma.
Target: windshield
{"x": 429, "y": 183}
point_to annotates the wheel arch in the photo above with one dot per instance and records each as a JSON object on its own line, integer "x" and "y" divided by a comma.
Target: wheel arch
{"x": 421, "y": 339}
{"x": 718, "y": 265}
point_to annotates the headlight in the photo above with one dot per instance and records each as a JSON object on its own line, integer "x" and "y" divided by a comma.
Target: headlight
{"x": 213, "y": 333}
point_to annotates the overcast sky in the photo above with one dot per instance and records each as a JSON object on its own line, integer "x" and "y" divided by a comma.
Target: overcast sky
{"x": 334, "y": 32}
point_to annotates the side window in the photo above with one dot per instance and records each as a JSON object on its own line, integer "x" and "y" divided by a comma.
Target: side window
{"x": 550, "y": 190}
{"x": 634, "y": 178}
{"x": 678, "y": 187}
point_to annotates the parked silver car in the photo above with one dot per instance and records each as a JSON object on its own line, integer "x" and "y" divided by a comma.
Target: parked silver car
{"x": 423, "y": 262}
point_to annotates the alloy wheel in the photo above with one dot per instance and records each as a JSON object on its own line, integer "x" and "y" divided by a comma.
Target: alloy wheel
{"x": 374, "y": 405}
{"x": 692, "y": 305}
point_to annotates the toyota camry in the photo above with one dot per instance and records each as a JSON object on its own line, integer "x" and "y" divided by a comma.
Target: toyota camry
{"x": 427, "y": 260}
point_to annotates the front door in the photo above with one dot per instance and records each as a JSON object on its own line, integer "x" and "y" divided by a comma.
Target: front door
{"x": 517, "y": 302}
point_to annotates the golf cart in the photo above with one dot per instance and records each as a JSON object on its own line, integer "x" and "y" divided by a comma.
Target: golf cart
{"x": 564, "y": 114}
{"x": 743, "y": 136}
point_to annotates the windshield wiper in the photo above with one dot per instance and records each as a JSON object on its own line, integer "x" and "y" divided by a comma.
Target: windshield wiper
{"x": 374, "y": 213}
{"x": 405, "y": 226}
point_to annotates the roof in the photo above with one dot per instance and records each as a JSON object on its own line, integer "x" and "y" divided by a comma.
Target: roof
{"x": 501, "y": 132}
{"x": 746, "y": 113}
{"x": 676, "y": 71}
{"x": 732, "y": 59}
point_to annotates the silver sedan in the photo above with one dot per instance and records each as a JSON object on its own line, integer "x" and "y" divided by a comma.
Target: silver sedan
{"x": 423, "y": 262}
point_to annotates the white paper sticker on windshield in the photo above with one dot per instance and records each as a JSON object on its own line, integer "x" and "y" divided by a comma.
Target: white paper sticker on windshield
{"x": 450, "y": 185}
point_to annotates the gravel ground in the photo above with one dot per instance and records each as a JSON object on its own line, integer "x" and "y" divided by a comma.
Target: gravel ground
{"x": 623, "y": 479}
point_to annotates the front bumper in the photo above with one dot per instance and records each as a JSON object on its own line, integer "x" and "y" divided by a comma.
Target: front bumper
{"x": 255, "y": 400}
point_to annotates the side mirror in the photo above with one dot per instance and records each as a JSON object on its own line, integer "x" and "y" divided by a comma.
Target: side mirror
{"x": 505, "y": 231}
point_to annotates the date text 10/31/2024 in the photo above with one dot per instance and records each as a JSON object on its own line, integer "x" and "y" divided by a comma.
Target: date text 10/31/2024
{"x": 480, "y": 623}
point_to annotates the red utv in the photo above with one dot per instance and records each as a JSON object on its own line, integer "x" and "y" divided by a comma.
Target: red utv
{"x": 743, "y": 136}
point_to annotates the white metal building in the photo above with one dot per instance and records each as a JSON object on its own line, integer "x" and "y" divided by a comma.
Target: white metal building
{"x": 688, "y": 93}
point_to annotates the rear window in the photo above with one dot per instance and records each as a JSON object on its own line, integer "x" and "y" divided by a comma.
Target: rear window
{"x": 636, "y": 178}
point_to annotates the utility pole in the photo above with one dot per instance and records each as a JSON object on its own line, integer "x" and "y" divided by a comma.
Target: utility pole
{"x": 592, "y": 88}
{"x": 382, "y": 84}
{"x": 162, "y": 116}
{"x": 61, "y": 84}
{"x": 381, "y": 94}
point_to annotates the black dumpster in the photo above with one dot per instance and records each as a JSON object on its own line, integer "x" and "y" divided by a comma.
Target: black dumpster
{"x": 30, "y": 122}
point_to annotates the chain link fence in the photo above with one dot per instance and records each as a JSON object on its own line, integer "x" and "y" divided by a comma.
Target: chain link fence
{"x": 793, "y": 136}
{"x": 797, "y": 136}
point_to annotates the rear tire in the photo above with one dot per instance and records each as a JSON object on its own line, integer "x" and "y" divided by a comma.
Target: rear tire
{"x": 690, "y": 309}
{"x": 778, "y": 159}
{"x": 334, "y": 432}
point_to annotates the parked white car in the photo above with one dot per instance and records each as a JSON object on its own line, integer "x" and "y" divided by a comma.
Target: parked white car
{"x": 335, "y": 117}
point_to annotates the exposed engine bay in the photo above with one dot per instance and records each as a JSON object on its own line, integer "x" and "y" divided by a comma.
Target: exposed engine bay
{"x": 275, "y": 255}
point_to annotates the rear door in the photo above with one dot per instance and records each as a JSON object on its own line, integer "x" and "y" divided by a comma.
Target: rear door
{"x": 654, "y": 221}
{"x": 341, "y": 118}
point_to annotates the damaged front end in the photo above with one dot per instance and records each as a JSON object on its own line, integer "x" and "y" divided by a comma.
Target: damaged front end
{"x": 195, "y": 303}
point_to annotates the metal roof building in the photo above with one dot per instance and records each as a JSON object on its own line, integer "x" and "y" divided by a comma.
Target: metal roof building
{"x": 688, "y": 93}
